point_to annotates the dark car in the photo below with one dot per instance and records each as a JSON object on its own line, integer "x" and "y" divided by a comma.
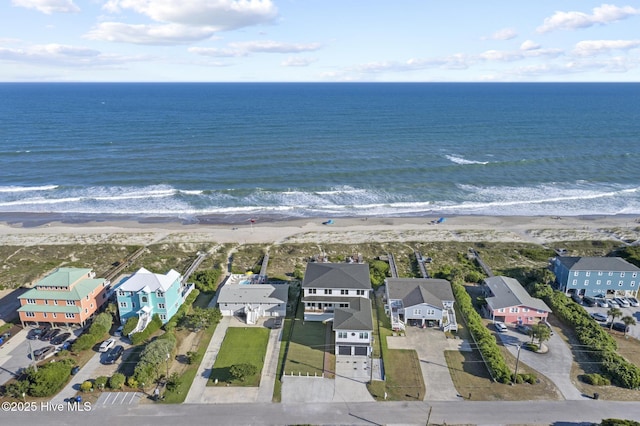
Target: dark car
{"x": 524, "y": 329}
{"x": 277, "y": 322}
{"x": 67, "y": 345}
{"x": 619, "y": 326}
{"x": 41, "y": 353}
{"x": 60, "y": 338}
{"x": 75, "y": 370}
{"x": 34, "y": 333}
{"x": 589, "y": 301}
{"x": 114, "y": 354}
{"x": 49, "y": 334}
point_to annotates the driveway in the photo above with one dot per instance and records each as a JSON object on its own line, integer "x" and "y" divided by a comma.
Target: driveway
{"x": 430, "y": 344}
{"x": 555, "y": 364}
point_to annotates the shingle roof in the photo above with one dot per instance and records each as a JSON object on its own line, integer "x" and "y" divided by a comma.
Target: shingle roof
{"x": 508, "y": 292}
{"x": 254, "y": 293}
{"x": 613, "y": 264}
{"x": 414, "y": 291}
{"x": 148, "y": 281}
{"x": 77, "y": 292}
{"x": 63, "y": 277}
{"x": 358, "y": 316}
{"x": 337, "y": 275}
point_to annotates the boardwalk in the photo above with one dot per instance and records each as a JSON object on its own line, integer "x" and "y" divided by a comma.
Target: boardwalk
{"x": 421, "y": 265}
{"x": 265, "y": 263}
{"x": 194, "y": 266}
{"x": 393, "y": 270}
{"x": 483, "y": 265}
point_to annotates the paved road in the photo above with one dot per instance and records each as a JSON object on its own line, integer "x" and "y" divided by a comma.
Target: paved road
{"x": 363, "y": 413}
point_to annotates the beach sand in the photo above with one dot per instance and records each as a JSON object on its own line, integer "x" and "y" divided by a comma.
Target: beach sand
{"x": 539, "y": 229}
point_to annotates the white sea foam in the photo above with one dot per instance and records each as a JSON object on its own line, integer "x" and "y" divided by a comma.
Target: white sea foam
{"x": 27, "y": 188}
{"x": 460, "y": 160}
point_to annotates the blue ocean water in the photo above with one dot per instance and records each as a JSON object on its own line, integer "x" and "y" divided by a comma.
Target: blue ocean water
{"x": 319, "y": 150}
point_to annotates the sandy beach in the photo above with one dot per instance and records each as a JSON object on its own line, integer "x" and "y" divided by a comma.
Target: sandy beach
{"x": 538, "y": 229}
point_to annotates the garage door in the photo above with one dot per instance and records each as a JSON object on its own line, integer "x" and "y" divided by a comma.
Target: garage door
{"x": 344, "y": 350}
{"x": 361, "y": 350}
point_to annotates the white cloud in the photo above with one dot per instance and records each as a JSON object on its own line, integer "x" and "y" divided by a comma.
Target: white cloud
{"x": 269, "y": 46}
{"x": 504, "y": 34}
{"x": 223, "y": 15}
{"x": 48, "y": 6}
{"x": 61, "y": 55}
{"x": 216, "y": 52}
{"x": 604, "y": 14}
{"x": 596, "y": 47}
{"x": 529, "y": 45}
{"x": 297, "y": 62}
{"x": 168, "y": 34}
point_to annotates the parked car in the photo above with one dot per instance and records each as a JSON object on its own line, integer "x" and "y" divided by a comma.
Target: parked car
{"x": 34, "y": 333}
{"x": 114, "y": 354}
{"x": 500, "y": 326}
{"x": 49, "y": 334}
{"x": 524, "y": 329}
{"x": 622, "y": 302}
{"x": 619, "y": 326}
{"x": 277, "y": 322}
{"x": 60, "y": 338}
{"x": 633, "y": 301}
{"x": 41, "y": 353}
{"x": 613, "y": 303}
{"x": 67, "y": 345}
{"x": 576, "y": 298}
{"x": 599, "y": 317}
{"x": 602, "y": 302}
{"x": 107, "y": 344}
{"x": 75, "y": 370}
{"x": 589, "y": 301}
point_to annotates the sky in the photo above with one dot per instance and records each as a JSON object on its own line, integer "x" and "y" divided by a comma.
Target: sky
{"x": 319, "y": 41}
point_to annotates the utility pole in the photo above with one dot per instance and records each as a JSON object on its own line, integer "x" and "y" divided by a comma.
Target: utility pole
{"x": 515, "y": 375}
{"x": 33, "y": 358}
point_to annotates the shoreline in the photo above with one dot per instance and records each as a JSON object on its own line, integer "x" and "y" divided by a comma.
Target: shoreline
{"x": 33, "y": 229}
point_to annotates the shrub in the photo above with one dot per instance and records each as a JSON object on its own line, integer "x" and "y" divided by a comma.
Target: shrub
{"x": 174, "y": 381}
{"x": 595, "y": 379}
{"x": 62, "y": 353}
{"x": 618, "y": 422}
{"x": 182, "y": 311}
{"x": 16, "y": 389}
{"x": 152, "y": 327}
{"x": 49, "y": 378}
{"x": 192, "y": 357}
{"x": 84, "y": 342}
{"x": 86, "y": 386}
{"x": 130, "y": 325}
{"x": 241, "y": 371}
{"x": 103, "y": 320}
{"x": 132, "y": 382}
{"x": 206, "y": 280}
{"x": 116, "y": 381}
{"x": 101, "y": 382}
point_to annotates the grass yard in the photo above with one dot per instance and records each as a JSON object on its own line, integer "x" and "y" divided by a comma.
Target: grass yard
{"x": 241, "y": 345}
{"x": 306, "y": 349}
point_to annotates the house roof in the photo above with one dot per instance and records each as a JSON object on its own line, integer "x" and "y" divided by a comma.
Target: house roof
{"x": 613, "y": 264}
{"x": 337, "y": 275}
{"x": 76, "y": 292}
{"x": 149, "y": 282}
{"x": 507, "y": 292}
{"x": 414, "y": 291}
{"x": 254, "y": 293}
{"x": 63, "y": 277}
{"x": 358, "y": 316}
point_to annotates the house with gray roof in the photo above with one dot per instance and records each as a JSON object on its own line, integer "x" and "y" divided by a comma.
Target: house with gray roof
{"x": 596, "y": 276}
{"x": 509, "y": 302}
{"x": 340, "y": 293}
{"x": 244, "y": 297}
{"x": 420, "y": 302}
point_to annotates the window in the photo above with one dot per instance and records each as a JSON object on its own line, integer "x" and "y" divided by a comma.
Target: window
{"x": 525, "y": 309}
{"x": 620, "y": 283}
{"x": 599, "y": 273}
{"x": 342, "y": 334}
{"x": 501, "y": 310}
{"x": 159, "y": 293}
{"x": 575, "y": 282}
{"x": 588, "y": 273}
{"x": 71, "y": 303}
{"x": 608, "y": 282}
{"x": 161, "y": 306}
{"x": 88, "y": 297}
{"x": 69, "y": 316}
{"x": 86, "y": 311}
{"x": 634, "y": 275}
{"x": 575, "y": 274}
{"x": 30, "y": 314}
{"x": 360, "y": 292}
{"x": 311, "y": 291}
{"x": 621, "y": 274}
{"x": 121, "y": 293}
{"x": 416, "y": 312}
{"x": 633, "y": 283}
{"x": 327, "y": 291}
{"x": 55, "y": 302}
{"x": 344, "y": 305}
{"x": 431, "y": 312}
{"x": 598, "y": 282}
{"x": 586, "y": 282}
{"x": 364, "y": 335}
{"x": 513, "y": 310}
{"x": 123, "y": 304}
{"x": 55, "y": 315}
{"x": 610, "y": 274}
{"x": 163, "y": 317}
{"x": 145, "y": 299}
{"x": 31, "y": 301}
{"x": 343, "y": 291}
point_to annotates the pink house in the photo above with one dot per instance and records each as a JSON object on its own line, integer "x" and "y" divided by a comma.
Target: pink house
{"x": 510, "y": 303}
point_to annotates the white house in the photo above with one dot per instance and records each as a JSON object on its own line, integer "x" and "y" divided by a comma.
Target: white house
{"x": 339, "y": 292}
{"x": 420, "y": 302}
{"x": 240, "y": 296}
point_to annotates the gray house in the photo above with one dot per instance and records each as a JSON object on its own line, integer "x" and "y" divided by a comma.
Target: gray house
{"x": 592, "y": 276}
{"x": 420, "y": 302}
{"x": 239, "y": 296}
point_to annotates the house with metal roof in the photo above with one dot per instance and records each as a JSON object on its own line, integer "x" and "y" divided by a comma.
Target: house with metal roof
{"x": 65, "y": 296}
{"x": 509, "y": 302}
{"x": 420, "y": 302}
{"x": 340, "y": 293}
{"x": 596, "y": 276}
{"x": 145, "y": 294}
{"x": 251, "y": 299}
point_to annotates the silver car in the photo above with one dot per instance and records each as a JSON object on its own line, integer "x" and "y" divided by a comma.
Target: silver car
{"x": 602, "y": 302}
{"x": 633, "y": 301}
{"x": 613, "y": 303}
{"x": 621, "y": 302}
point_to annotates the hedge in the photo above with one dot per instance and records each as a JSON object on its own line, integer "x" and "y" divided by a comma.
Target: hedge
{"x": 182, "y": 310}
{"x": 152, "y": 327}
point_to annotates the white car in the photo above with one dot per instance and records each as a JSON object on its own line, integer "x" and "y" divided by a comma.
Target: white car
{"x": 613, "y": 303}
{"x": 500, "y": 326}
{"x": 623, "y": 303}
{"x": 633, "y": 301}
{"x": 107, "y": 344}
{"x": 602, "y": 302}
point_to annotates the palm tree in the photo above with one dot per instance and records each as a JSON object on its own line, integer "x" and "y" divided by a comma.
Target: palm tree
{"x": 613, "y": 313}
{"x": 627, "y": 320}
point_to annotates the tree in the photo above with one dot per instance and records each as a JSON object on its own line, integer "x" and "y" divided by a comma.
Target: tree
{"x": 541, "y": 332}
{"x": 104, "y": 320}
{"x": 613, "y": 313}
{"x": 206, "y": 280}
{"x": 627, "y": 320}
{"x": 241, "y": 371}
{"x": 18, "y": 388}
{"x": 203, "y": 317}
{"x": 112, "y": 310}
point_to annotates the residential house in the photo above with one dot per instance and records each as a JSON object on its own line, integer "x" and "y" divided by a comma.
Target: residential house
{"x": 339, "y": 293}
{"x": 509, "y": 302}
{"x": 420, "y": 302}
{"x": 243, "y": 296}
{"x": 595, "y": 276}
{"x": 66, "y": 296}
{"x": 145, "y": 294}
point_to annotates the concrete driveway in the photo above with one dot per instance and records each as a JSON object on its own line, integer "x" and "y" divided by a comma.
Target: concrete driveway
{"x": 555, "y": 364}
{"x": 430, "y": 344}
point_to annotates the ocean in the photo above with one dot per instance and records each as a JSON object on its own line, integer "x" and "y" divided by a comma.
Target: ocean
{"x": 227, "y": 152}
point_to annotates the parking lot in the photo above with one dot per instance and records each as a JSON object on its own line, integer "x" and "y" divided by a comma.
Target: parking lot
{"x": 634, "y": 312}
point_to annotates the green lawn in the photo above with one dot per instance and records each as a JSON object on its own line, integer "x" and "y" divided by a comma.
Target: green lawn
{"x": 306, "y": 349}
{"x": 240, "y": 345}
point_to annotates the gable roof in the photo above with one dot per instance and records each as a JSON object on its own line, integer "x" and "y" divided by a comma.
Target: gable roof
{"x": 414, "y": 291}
{"x": 148, "y": 281}
{"x": 76, "y": 292}
{"x": 613, "y": 264}
{"x": 63, "y": 277}
{"x": 254, "y": 293}
{"x": 358, "y": 316}
{"x": 337, "y": 275}
{"x": 508, "y": 292}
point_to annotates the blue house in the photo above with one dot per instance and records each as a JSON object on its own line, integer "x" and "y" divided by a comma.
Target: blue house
{"x": 145, "y": 294}
{"x": 592, "y": 276}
